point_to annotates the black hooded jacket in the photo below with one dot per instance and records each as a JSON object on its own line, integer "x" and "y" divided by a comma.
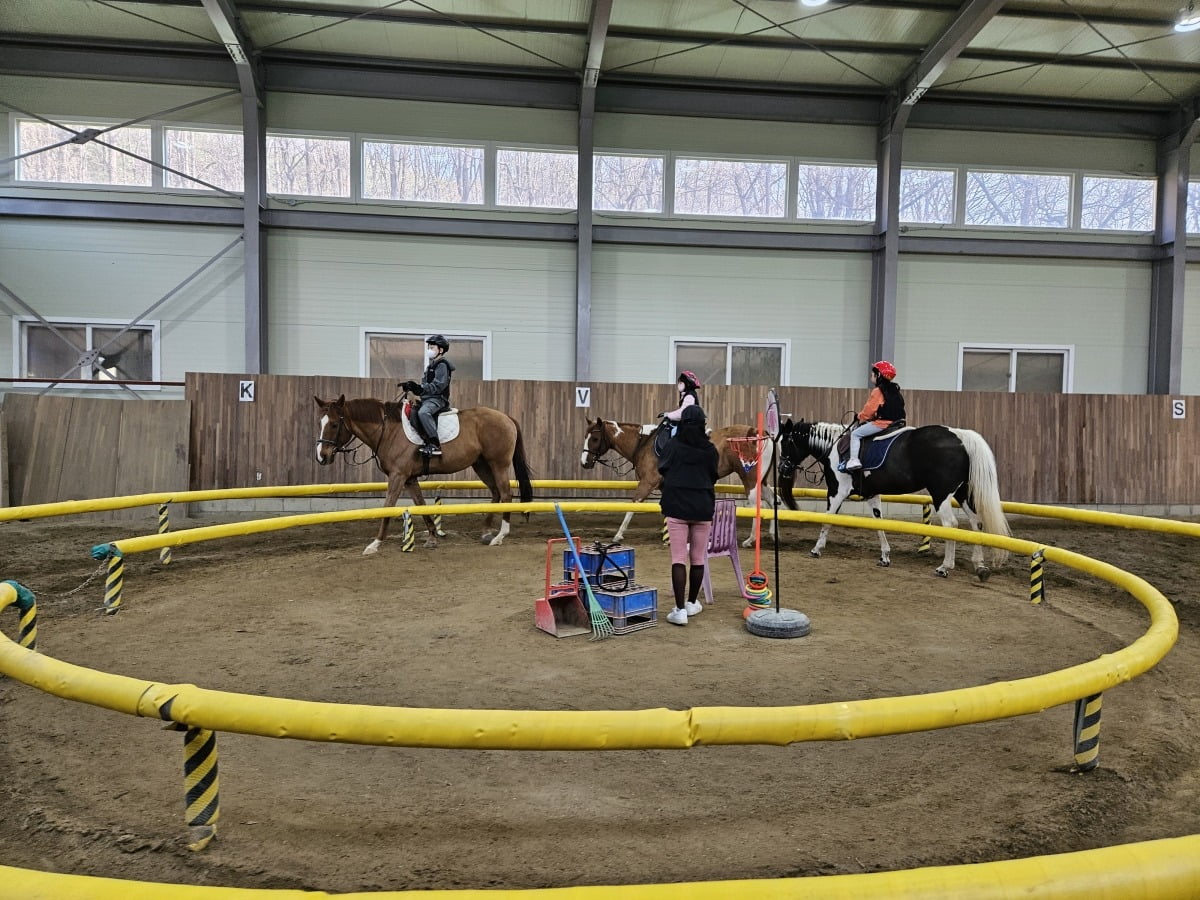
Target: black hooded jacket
{"x": 689, "y": 470}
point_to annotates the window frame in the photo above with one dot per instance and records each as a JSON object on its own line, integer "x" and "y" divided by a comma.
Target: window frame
{"x": 1074, "y": 194}
{"x": 21, "y": 349}
{"x": 156, "y": 154}
{"x": 784, "y": 345}
{"x": 487, "y": 180}
{"x": 670, "y": 186}
{"x": 354, "y": 173}
{"x": 365, "y": 334}
{"x": 1066, "y": 350}
{"x": 492, "y": 177}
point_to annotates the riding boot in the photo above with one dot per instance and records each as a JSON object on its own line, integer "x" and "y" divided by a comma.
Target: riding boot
{"x": 432, "y": 447}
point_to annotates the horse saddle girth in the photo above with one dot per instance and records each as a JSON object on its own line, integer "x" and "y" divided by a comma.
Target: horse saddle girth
{"x": 874, "y": 449}
{"x": 447, "y": 425}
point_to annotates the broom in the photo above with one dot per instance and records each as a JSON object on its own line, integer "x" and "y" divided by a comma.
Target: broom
{"x": 601, "y": 626}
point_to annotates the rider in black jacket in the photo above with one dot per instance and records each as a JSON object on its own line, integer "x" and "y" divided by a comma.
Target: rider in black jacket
{"x": 434, "y": 390}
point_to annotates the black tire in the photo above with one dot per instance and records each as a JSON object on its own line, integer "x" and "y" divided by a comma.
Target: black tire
{"x": 787, "y": 623}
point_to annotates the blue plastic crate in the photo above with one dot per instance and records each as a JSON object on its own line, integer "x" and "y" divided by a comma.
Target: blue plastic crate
{"x": 638, "y": 600}
{"x": 601, "y": 569}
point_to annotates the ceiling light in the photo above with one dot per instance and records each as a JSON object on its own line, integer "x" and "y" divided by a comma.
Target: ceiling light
{"x": 1189, "y": 18}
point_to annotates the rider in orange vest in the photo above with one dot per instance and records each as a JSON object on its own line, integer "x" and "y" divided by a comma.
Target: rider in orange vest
{"x": 884, "y": 405}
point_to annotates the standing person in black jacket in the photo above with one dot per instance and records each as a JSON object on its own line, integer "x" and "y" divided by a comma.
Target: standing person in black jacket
{"x": 689, "y": 470}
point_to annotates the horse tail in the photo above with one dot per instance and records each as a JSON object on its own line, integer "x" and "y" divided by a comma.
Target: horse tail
{"x": 984, "y": 488}
{"x": 520, "y": 466}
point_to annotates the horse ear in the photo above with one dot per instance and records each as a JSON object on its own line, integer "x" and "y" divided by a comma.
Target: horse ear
{"x": 341, "y": 400}
{"x": 320, "y": 402}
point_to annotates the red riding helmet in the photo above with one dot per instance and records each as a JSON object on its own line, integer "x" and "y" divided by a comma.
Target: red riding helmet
{"x": 689, "y": 379}
{"x": 886, "y": 369}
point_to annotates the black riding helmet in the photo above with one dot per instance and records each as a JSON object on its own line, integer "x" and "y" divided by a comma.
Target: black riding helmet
{"x": 438, "y": 341}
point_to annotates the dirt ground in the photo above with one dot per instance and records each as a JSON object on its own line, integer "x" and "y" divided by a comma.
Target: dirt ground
{"x": 303, "y": 614}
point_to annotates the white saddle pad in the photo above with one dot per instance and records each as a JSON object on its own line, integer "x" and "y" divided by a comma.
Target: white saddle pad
{"x": 447, "y": 423}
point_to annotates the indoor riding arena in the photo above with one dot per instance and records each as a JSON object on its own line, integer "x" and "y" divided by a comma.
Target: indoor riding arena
{"x": 255, "y": 642}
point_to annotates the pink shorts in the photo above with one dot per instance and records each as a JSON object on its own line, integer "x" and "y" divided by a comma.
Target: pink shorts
{"x": 689, "y": 541}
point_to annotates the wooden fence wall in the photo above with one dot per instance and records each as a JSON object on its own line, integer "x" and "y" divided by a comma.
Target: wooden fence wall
{"x": 1072, "y": 449}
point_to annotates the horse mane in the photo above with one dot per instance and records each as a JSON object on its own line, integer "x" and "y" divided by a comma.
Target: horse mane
{"x": 364, "y": 409}
{"x": 822, "y": 436}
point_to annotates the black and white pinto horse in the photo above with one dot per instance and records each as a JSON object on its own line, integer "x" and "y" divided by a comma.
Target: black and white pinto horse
{"x": 951, "y": 463}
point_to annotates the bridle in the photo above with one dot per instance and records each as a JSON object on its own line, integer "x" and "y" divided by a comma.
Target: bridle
{"x": 597, "y": 456}
{"x": 813, "y": 472}
{"x": 346, "y": 444}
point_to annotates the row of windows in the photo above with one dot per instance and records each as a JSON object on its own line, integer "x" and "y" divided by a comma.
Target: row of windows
{"x": 488, "y": 175}
{"x": 107, "y": 351}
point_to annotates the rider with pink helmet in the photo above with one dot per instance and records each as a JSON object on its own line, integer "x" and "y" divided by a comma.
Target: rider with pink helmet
{"x": 884, "y": 405}
{"x": 687, "y": 384}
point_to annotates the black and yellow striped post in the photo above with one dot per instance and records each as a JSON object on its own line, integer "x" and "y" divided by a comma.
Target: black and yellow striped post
{"x": 27, "y": 609}
{"x": 1037, "y": 583}
{"x": 164, "y": 525}
{"x": 926, "y": 518}
{"x": 408, "y": 538}
{"x": 437, "y": 520}
{"x": 115, "y": 578}
{"x": 666, "y": 534}
{"x": 200, "y": 780}
{"x": 1087, "y": 733}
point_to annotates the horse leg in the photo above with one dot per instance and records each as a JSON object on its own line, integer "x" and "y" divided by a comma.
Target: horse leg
{"x": 845, "y": 486}
{"x": 486, "y": 475}
{"x": 885, "y": 549}
{"x": 949, "y": 520}
{"x": 395, "y": 485}
{"x": 620, "y": 535}
{"x": 418, "y": 499}
{"x": 644, "y": 489}
{"x": 982, "y": 571}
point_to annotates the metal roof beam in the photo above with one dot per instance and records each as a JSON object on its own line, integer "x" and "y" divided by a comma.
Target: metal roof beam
{"x": 241, "y": 50}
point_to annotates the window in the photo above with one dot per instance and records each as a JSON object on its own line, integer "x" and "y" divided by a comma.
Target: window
{"x": 98, "y": 350}
{"x": 400, "y": 356}
{"x": 1017, "y": 198}
{"x": 1118, "y": 204}
{"x": 731, "y": 187}
{"x": 541, "y": 179}
{"x": 731, "y": 362}
{"x": 836, "y": 192}
{"x": 927, "y": 196}
{"x": 308, "y": 166}
{"x": 425, "y": 173}
{"x": 1031, "y": 370}
{"x": 86, "y": 162}
{"x": 627, "y": 183}
{"x": 215, "y": 157}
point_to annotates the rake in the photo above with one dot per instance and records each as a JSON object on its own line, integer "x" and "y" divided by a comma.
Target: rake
{"x": 601, "y": 627}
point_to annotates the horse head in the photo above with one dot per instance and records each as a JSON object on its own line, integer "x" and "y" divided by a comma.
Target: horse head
{"x": 335, "y": 433}
{"x": 596, "y": 443}
{"x": 793, "y": 445}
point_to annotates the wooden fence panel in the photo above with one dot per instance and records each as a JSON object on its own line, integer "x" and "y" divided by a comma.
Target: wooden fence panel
{"x": 1050, "y": 448}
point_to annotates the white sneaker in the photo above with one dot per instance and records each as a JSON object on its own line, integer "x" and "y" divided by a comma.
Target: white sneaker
{"x": 852, "y": 464}
{"x": 677, "y": 616}
{"x": 693, "y": 609}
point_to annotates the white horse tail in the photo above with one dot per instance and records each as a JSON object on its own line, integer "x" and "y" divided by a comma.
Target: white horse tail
{"x": 985, "y": 488}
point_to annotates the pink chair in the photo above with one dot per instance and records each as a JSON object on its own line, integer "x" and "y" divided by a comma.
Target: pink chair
{"x": 723, "y": 541}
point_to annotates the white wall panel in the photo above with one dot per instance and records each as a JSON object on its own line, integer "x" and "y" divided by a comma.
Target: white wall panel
{"x": 1190, "y": 375}
{"x": 116, "y": 271}
{"x": 326, "y": 287}
{"x": 643, "y": 297}
{"x": 119, "y": 100}
{"x": 1130, "y": 157}
{"x": 695, "y": 135}
{"x": 1101, "y": 309}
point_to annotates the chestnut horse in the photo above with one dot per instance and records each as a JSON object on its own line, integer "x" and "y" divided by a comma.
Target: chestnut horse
{"x": 636, "y": 444}
{"x": 488, "y": 441}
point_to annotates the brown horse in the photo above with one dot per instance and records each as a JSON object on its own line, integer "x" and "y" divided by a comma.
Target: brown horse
{"x": 636, "y": 444}
{"x": 488, "y": 441}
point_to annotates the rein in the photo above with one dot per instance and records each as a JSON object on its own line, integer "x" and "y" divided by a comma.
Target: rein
{"x": 623, "y": 466}
{"x": 349, "y": 447}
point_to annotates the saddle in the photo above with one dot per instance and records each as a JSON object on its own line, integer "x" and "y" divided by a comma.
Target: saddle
{"x": 874, "y": 449}
{"x": 447, "y": 423}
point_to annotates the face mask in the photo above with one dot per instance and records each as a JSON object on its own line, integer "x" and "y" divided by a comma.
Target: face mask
{"x": 430, "y": 353}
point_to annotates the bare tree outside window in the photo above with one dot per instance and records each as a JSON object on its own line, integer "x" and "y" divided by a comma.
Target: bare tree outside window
{"x": 1018, "y": 199}
{"x": 542, "y": 179}
{"x": 721, "y": 187}
{"x": 628, "y": 183}
{"x": 87, "y": 163}
{"x": 836, "y": 192}
{"x": 927, "y": 196}
{"x": 1193, "y": 207}
{"x": 1118, "y": 204}
{"x": 424, "y": 173}
{"x": 308, "y": 166}
{"x": 213, "y": 156}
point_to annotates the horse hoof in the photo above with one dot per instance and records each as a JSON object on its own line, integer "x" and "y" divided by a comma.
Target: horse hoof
{"x": 372, "y": 547}
{"x": 430, "y": 545}
{"x": 815, "y": 554}
{"x": 487, "y": 539}
{"x": 984, "y": 573}
{"x": 496, "y": 541}
{"x": 941, "y": 573}
{"x": 884, "y": 564}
